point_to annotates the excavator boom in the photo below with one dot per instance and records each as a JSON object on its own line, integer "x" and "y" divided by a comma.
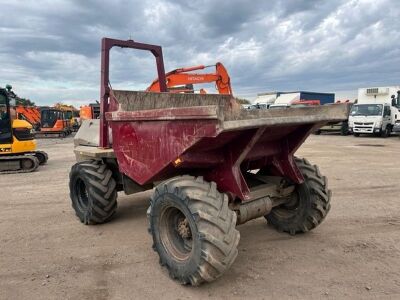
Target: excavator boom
{"x": 182, "y": 76}
{"x": 30, "y": 114}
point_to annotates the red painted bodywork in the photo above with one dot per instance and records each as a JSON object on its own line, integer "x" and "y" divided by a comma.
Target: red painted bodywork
{"x": 156, "y": 144}
{"x": 106, "y": 45}
{"x": 150, "y": 146}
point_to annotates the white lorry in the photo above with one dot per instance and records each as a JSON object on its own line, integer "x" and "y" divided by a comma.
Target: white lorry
{"x": 376, "y": 111}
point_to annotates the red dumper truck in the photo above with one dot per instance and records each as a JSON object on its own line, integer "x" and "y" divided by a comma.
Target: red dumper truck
{"x": 212, "y": 165}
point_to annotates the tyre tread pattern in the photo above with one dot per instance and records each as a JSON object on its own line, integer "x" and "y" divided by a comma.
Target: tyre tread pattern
{"x": 320, "y": 197}
{"x": 101, "y": 188}
{"x": 216, "y": 225}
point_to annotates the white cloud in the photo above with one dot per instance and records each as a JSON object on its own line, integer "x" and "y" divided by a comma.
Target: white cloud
{"x": 51, "y": 49}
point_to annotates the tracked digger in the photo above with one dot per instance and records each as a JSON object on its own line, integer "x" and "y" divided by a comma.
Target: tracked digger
{"x": 18, "y": 152}
{"x": 54, "y": 123}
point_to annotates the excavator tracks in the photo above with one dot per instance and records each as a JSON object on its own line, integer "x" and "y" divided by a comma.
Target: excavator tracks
{"x": 18, "y": 164}
{"x": 41, "y": 156}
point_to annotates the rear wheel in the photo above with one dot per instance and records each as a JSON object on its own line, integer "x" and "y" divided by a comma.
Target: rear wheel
{"x": 309, "y": 203}
{"x": 193, "y": 229}
{"x": 93, "y": 192}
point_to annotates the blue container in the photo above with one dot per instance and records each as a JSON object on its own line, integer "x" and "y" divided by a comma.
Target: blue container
{"x": 324, "y": 98}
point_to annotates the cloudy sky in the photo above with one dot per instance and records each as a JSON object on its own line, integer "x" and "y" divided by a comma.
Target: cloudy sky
{"x": 49, "y": 50}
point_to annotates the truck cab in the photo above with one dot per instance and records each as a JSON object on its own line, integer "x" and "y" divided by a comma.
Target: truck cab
{"x": 375, "y": 112}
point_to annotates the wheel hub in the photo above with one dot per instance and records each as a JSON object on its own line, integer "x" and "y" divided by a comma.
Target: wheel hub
{"x": 175, "y": 233}
{"x": 184, "y": 229}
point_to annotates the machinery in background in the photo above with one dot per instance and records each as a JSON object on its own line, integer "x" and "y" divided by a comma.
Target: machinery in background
{"x": 53, "y": 122}
{"x": 264, "y": 100}
{"x": 303, "y": 103}
{"x": 88, "y": 112}
{"x": 182, "y": 81}
{"x": 341, "y": 127}
{"x": 276, "y": 100}
{"x": 256, "y": 106}
{"x": 30, "y": 114}
{"x": 396, "y": 126}
{"x": 17, "y": 143}
{"x": 376, "y": 111}
{"x": 71, "y": 114}
{"x": 292, "y": 97}
{"x": 296, "y": 103}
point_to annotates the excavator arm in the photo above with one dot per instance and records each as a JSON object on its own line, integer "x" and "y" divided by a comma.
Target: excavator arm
{"x": 182, "y": 76}
{"x": 30, "y": 114}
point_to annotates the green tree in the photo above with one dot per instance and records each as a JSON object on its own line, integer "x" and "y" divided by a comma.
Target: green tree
{"x": 24, "y": 101}
{"x": 19, "y": 100}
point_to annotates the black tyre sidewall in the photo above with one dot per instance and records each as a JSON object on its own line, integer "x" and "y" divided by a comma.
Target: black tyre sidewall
{"x": 180, "y": 270}
{"x": 292, "y": 220}
{"x": 344, "y": 130}
{"x": 311, "y": 207}
{"x": 83, "y": 213}
{"x": 386, "y": 132}
{"x": 99, "y": 209}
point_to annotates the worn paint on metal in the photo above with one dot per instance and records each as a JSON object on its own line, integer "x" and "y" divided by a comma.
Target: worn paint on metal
{"x": 106, "y": 45}
{"x": 155, "y": 139}
{"x": 159, "y": 135}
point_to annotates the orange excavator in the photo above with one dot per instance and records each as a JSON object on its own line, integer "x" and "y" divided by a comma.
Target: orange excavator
{"x": 91, "y": 111}
{"x": 53, "y": 123}
{"x": 30, "y": 114}
{"x": 182, "y": 81}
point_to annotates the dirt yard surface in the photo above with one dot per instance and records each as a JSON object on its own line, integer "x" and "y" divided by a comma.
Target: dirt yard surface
{"x": 46, "y": 253}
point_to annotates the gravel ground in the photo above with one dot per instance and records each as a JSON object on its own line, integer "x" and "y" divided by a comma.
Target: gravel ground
{"x": 46, "y": 253}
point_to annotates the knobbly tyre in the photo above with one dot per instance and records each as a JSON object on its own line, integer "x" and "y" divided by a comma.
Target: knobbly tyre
{"x": 213, "y": 166}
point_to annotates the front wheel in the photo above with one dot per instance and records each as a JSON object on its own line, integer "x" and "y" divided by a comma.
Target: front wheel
{"x": 344, "y": 129}
{"x": 193, "y": 229}
{"x": 93, "y": 192}
{"x": 385, "y": 133}
{"x": 308, "y": 206}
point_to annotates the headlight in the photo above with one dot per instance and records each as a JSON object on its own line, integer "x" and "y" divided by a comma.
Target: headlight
{"x": 378, "y": 124}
